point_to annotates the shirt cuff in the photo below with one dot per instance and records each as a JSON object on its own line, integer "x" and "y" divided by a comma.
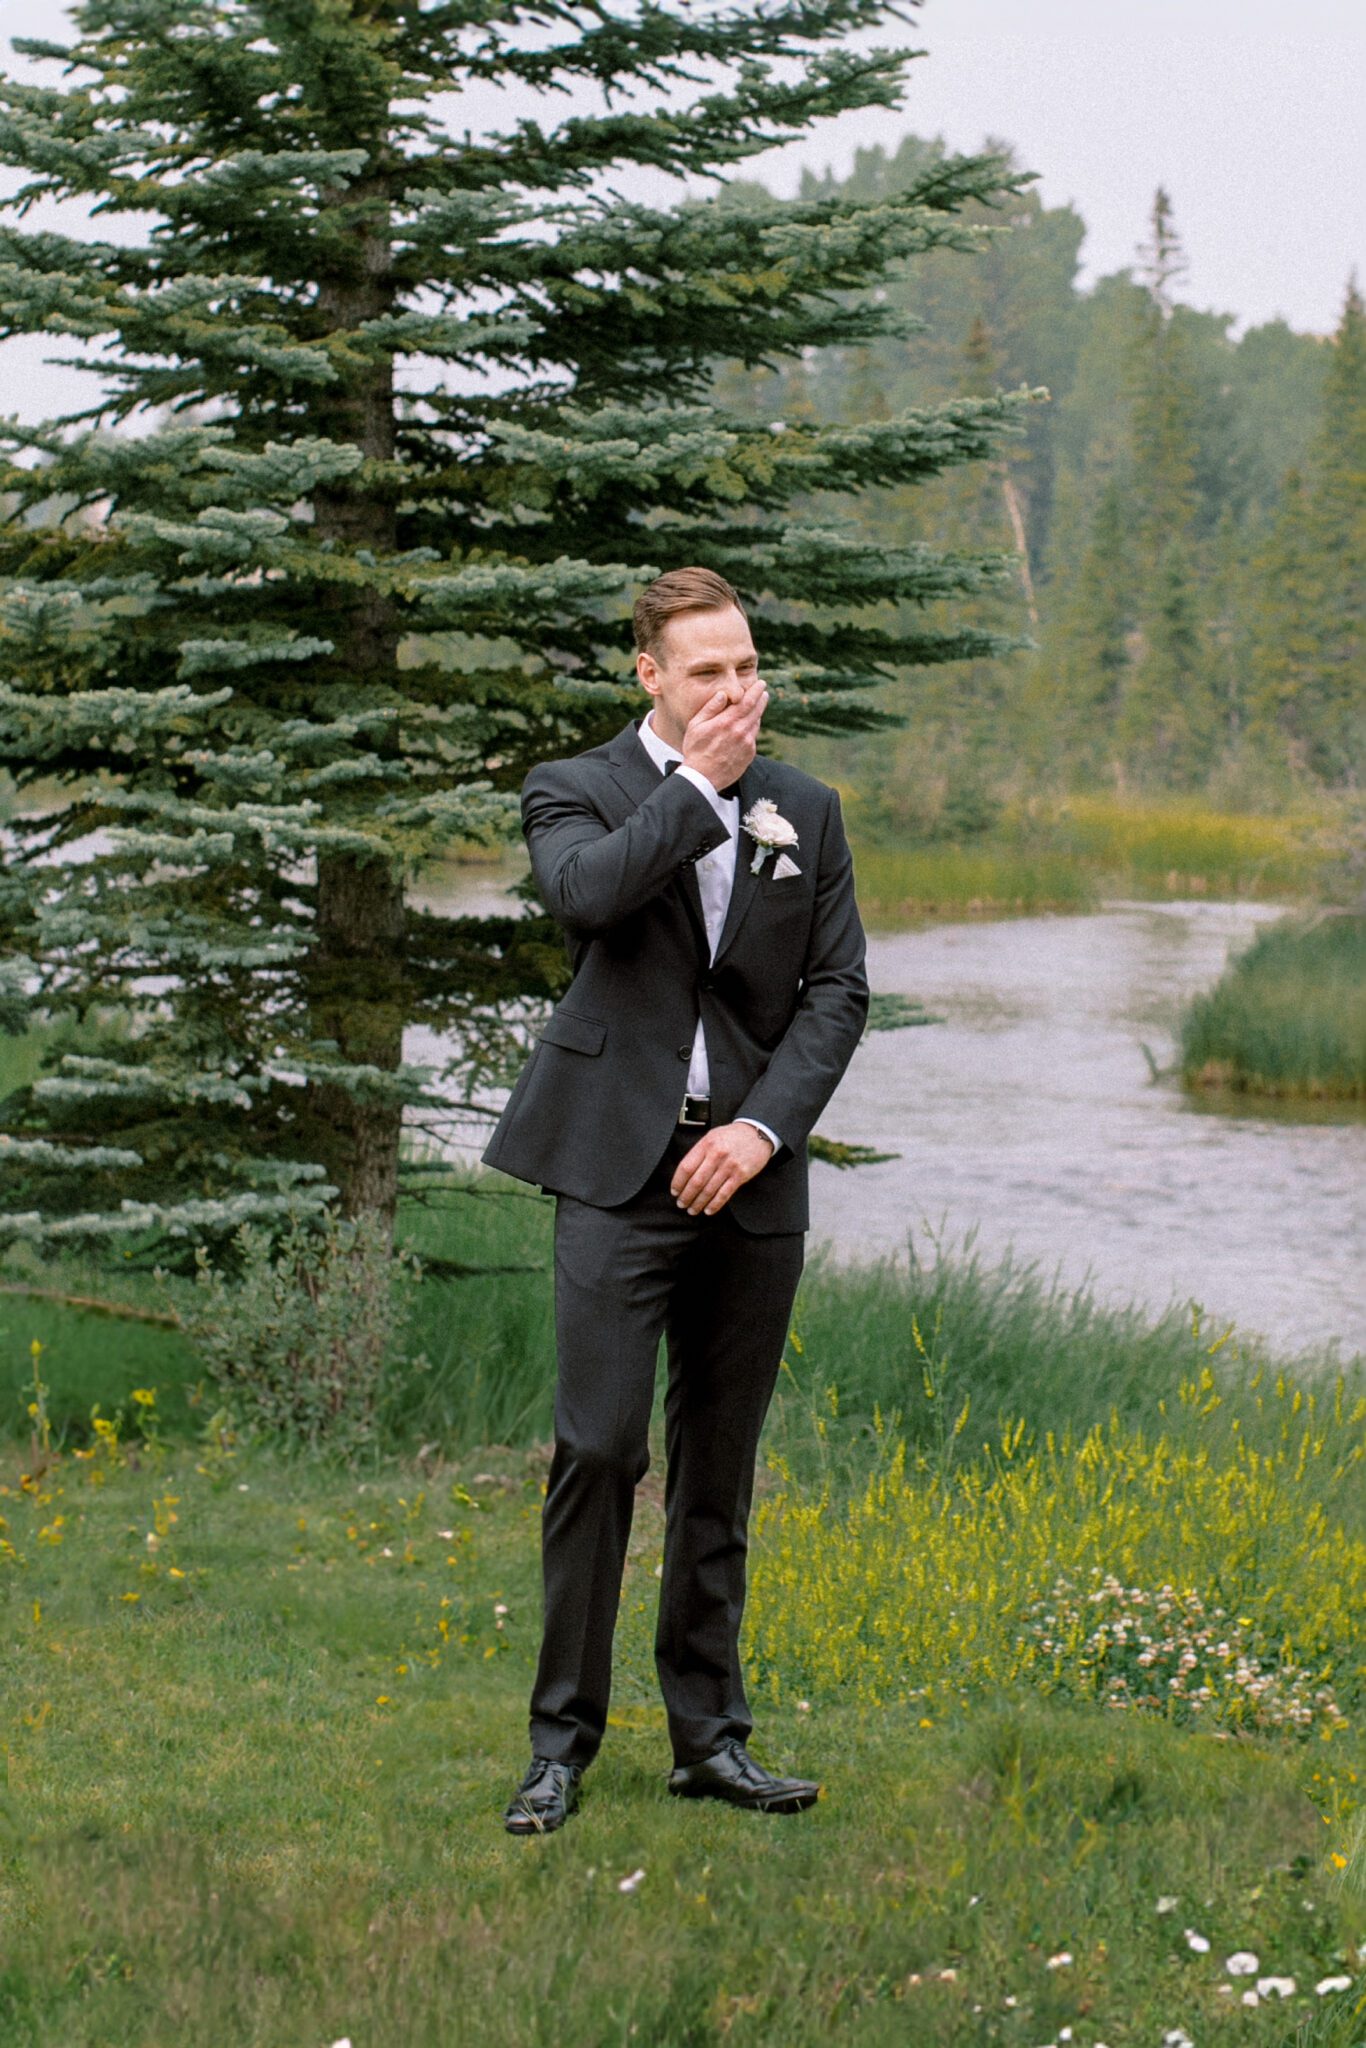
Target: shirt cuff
{"x": 774, "y": 1140}
{"x": 714, "y": 797}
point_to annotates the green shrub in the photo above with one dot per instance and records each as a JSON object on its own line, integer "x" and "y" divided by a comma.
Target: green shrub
{"x": 298, "y": 1344}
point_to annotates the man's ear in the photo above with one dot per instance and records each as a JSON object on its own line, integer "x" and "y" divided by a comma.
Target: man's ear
{"x": 647, "y": 669}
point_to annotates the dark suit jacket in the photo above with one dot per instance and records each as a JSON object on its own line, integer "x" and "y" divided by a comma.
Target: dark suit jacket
{"x": 783, "y": 1005}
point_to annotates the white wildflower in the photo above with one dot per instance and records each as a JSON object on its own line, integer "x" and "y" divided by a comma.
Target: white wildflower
{"x": 1276, "y": 1987}
{"x": 1242, "y": 1963}
{"x": 1328, "y": 1984}
{"x": 631, "y": 1883}
{"x": 1198, "y": 1942}
{"x": 1060, "y": 1960}
{"x": 1166, "y": 1904}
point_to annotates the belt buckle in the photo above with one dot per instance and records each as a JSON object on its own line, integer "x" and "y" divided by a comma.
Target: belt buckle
{"x": 696, "y": 1111}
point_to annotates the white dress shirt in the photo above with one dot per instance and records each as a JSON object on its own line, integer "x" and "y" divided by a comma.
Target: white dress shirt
{"x": 715, "y": 880}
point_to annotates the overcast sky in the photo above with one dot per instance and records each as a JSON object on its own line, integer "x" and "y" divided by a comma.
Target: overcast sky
{"x": 1249, "y": 112}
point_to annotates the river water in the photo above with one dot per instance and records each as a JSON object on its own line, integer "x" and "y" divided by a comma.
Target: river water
{"x": 1030, "y": 1116}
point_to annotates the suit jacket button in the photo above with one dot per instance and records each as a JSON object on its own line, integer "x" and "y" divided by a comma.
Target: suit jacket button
{"x": 685, "y": 1052}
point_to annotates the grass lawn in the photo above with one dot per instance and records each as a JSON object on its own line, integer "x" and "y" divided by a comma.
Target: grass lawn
{"x": 262, "y": 1717}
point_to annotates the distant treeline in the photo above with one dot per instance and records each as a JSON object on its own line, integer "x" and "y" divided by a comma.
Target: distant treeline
{"x": 1187, "y": 513}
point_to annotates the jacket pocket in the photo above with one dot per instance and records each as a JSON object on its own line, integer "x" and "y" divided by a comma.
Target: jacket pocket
{"x": 572, "y": 1029}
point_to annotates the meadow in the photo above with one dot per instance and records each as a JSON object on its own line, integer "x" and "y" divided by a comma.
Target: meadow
{"x": 1064, "y": 1606}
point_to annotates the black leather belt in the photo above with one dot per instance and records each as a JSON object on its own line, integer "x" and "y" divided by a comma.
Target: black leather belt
{"x": 696, "y": 1111}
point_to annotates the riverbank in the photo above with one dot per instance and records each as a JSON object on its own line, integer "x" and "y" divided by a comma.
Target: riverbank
{"x": 475, "y": 1363}
{"x": 1070, "y": 854}
{"x": 1042, "y": 854}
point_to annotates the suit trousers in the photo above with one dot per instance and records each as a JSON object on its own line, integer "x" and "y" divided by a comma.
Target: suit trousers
{"x": 722, "y": 1298}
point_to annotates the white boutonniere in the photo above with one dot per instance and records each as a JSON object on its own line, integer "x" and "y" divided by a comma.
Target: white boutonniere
{"x": 769, "y": 830}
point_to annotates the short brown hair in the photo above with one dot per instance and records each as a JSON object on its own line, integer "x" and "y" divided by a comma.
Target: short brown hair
{"x": 680, "y": 590}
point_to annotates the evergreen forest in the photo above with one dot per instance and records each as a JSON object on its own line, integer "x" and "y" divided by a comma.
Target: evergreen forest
{"x": 1186, "y": 512}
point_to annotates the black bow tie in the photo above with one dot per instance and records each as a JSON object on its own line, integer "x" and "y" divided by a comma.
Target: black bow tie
{"x": 731, "y": 789}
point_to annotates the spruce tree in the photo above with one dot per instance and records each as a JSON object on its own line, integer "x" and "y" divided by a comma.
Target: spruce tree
{"x": 1075, "y": 690}
{"x": 1166, "y": 723}
{"x": 389, "y": 423}
{"x": 1307, "y": 595}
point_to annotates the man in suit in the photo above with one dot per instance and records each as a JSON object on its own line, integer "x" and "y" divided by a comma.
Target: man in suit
{"x": 707, "y": 900}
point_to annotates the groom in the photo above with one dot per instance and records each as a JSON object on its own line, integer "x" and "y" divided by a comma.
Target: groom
{"x": 707, "y": 900}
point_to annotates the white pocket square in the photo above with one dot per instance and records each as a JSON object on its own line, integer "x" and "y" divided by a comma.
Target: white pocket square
{"x": 783, "y": 867}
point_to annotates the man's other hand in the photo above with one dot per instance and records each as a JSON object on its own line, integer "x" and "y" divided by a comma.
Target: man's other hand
{"x": 719, "y": 1163}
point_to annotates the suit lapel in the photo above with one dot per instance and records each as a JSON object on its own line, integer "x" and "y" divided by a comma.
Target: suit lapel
{"x": 744, "y": 889}
{"x": 636, "y": 775}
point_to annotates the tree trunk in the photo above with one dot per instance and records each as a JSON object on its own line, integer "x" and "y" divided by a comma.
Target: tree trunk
{"x": 356, "y": 974}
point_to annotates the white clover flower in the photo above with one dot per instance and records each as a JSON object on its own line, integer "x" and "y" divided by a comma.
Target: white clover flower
{"x": 1060, "y": 1961}
{"x": 1276, "y": 1987}
{"x": 1177, "y": 2037}
{"x": 1166, "y": 1904}
{"x": 1198, "y": 1942}
{"x": 1252, "y": 1998}
{"x": 631, "y": 1883}
{"x": 1242, "y": 1963}
{"x": 1327, "y": 1984}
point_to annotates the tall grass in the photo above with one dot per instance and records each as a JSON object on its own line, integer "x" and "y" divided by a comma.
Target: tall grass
{"x": 905, "y": 1340}
{"x": 1182, "y": 847}
{"x": 895, "y": 883}
{"x": 1287, "y": 1017}
{"x": 479, "y": 1350}
{"x": 475, "y": 1362}
{"x": 1068, "y": 853}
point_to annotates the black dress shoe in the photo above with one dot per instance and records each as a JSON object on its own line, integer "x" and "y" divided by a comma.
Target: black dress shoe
{"x": 546, "y": 1797}
{"x": 731, "y": 1773}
